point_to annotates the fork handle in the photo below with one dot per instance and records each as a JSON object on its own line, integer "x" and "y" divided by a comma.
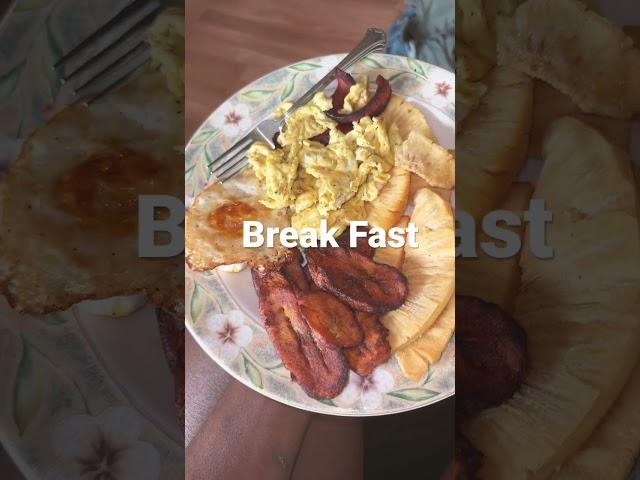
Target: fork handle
{"x": 374, "y": 40}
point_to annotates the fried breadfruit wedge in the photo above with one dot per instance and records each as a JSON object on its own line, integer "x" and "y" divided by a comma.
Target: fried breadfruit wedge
{"x": 553, "y": 39}
{"x": 389, "y": 255}
{"x": 331, "y": 319}
{"x": 373, "y": 351}
{"x": 407, "y": 118}
{"x": 427, "y": 159}
{"x": 357, "y": 280}
{"x": 416, "y": 357}
{"x": 390, "y": 204}
{"x": 429, "y": 270}
{"x": 318, "y": 367}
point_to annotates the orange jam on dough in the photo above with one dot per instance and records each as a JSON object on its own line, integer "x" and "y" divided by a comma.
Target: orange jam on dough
{"x": 103, "y": 191}
{"x": 228, "y": 217}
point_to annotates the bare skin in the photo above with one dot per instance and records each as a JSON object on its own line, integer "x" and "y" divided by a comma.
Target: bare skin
{"x": 249, "y": 436}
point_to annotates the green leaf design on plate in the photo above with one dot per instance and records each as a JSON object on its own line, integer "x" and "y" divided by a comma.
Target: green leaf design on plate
{"x": 414, "y": 394}
{"x": 28, "y": 390}
{"x": 189, "y": 171}
{"x": 54, "y": 319}
{"x": 288, "y": 89}
{"x": 372, "y": 63}
{"x": 197, "y": 304}
{"x": 252, "y": 372}
{"x": 305, "y": 66}
{"x": 329, "y": 403}
{"x": 202, "y": 136}
{"x": 256, "y": 95}
{"x": 428, "y": 379}
{"x": 396, "y": 75}
{"x": 415, "y": 66}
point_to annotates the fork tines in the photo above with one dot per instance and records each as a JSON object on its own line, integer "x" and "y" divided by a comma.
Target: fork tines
{"x": 109, "y": 56}
{"x": 231, "y": 161}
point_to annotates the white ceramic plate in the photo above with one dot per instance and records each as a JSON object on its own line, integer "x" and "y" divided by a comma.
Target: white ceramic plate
{"x": 216, "y": 297}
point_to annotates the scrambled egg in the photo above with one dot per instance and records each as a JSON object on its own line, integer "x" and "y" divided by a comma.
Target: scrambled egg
{"x": 166, "y": 38}
{"x": 326, "y": 182}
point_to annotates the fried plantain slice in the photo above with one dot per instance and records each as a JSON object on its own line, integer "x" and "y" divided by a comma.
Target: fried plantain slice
{"x": 319, "y": 368}
{"x": 357, "y": 280}
{"x": 294, "y": 272}
{"x": 491, "y": 351}
{"x": 331, "y": 319}
{"x": 362, "y": 246}
{"x": 374, "y": 350}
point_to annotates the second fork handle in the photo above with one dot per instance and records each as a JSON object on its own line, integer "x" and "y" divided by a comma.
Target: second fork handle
{"x": 374, "y": 40}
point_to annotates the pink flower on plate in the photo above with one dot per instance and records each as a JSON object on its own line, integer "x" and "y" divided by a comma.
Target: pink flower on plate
{"x": 367, "y": 390}
{"x": 232, "y": 119}
{"x": 106, "y": 446}
{"x": 442, "y": 89}
{"x": 229, "y": 333}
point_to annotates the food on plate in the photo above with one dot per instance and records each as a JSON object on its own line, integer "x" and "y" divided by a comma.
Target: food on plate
{"x": 330, "y": 319}
{"x": 357, "y": 280}
{"x": 372, "y": 108}
{"x": 332, "y": 181}
{"x": 553, "y": 39}
{"x": 416, "y": 357}
{"x": 386, "y": 209}
{"x": 579, "y": 310}
{"x": 213, "y": 225}
{"x": 492, "y": 141}
{"x": 491, "y": 355}
{"x": 472, "y": 273}
{"x": 429, "y": 271}
{"x": 362, "y": 243}
{"x": 427, "y": 159}
{"x": 70, "y": 202}
{"x": 406, "y": 118}
{"x": 389, "y": 255}
{"x": 373, "y": 351}
{"x": 337, "y": 160}
{"x": 612, "y": 450}
{"x": 293, "y": 271}
{"x": 317, "y": 366}
{"x": 343, "y": 88}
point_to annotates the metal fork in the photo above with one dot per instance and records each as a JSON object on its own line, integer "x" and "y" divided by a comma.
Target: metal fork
{"x": 234, "y": 159}
{"x": 108, "y": 57}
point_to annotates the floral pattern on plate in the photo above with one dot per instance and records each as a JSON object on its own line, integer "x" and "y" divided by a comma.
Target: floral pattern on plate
{"x": 214, "y": 311}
